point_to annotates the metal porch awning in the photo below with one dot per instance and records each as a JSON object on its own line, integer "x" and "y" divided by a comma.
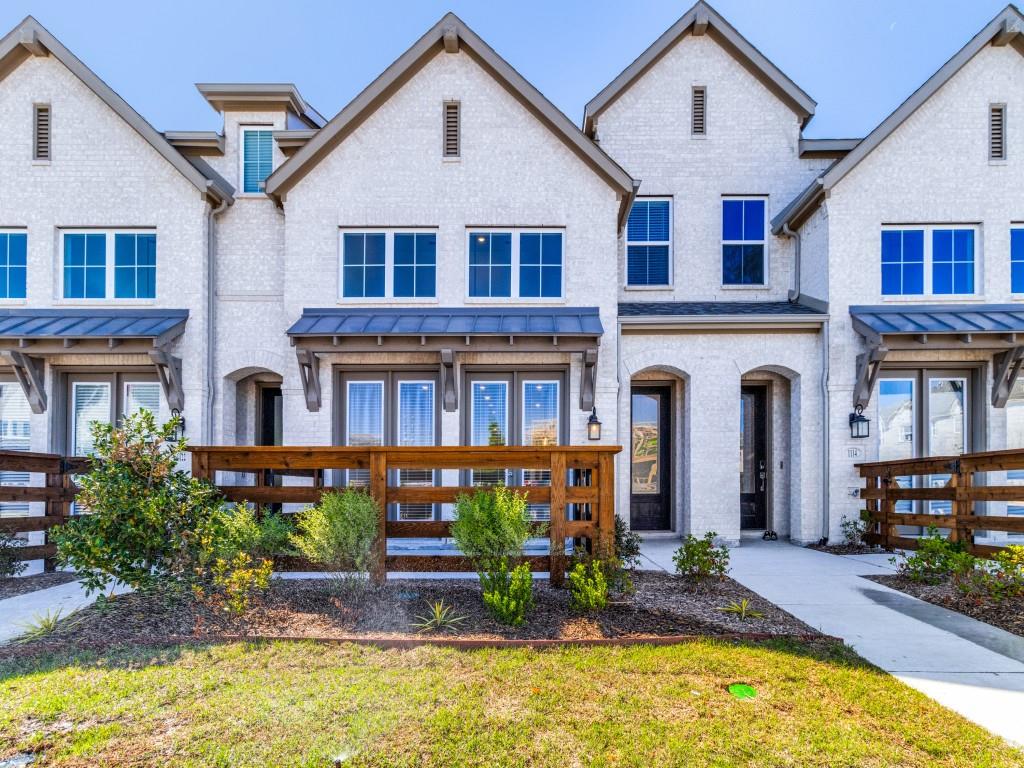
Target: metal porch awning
{"x": 448, "y": 332}
{"x": 28, "y": 335}
{"x": 998, "y": 328}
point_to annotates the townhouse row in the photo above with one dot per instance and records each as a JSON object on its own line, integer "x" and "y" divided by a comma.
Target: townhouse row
{"x": 450, "y": 260}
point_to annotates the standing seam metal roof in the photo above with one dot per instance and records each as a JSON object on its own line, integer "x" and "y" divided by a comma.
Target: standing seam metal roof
{"x": 440, "y": 321}
{"x": 85, "y": 323}
{"x": 941, "y": 318}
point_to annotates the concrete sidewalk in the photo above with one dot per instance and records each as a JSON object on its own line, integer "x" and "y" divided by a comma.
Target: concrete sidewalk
{"x": 964, "y": 664}
{"x": 15, "y": 612}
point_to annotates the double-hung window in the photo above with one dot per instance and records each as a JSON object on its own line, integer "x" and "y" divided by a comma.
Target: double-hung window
{"x": 744, "y": 245}
{"x": 515, "y": 263}
{"x": 1017, "y": 259}
{"x": 928, "y": 260}
{"x": 85, "y": 273}
{"x": 257, "y": 158}
{"x": 13, "y": 264}
{"x": 388, "y": 264}
{"x": 649, "y": 242}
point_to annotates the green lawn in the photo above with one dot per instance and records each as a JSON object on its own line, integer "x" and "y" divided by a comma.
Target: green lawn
{"x": 304, "y": 704}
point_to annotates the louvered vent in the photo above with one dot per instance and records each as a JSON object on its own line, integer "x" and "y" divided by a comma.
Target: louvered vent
{"x": 698, "y": 125}
{"x": 451, "y": 129}
{"x": 41, "y": 143}
{"x": 997, "y": 132}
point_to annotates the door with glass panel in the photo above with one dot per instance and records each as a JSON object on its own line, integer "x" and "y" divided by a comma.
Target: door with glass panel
{"x": 490, "y": 415}
{"x": 650, "y": 458}
{"x": 416, "y": 424}
{"x": 15, "y": 435}
{"x": 1015, "y": 439}
{"x": 541, "y": 427}
{"x": 921, "y": 413}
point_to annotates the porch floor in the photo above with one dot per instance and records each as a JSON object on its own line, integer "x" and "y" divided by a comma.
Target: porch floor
{"x": 964, "y": 664}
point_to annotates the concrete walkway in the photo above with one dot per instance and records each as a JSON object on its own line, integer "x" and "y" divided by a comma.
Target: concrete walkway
{"x": 15, "y": 612}
{"x": 964, "y": 664}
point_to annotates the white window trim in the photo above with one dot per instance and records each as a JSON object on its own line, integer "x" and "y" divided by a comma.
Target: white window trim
{"x": 928, "y": 297}
{"x": 5, "y": 302}
{"x": 108, "y": 266}
{"x": 162, "y": 411}
{"x": 515, "y": 298}
{"x": 242, "y": 128}
{"x": 389, "y": 265}
{"x": 671, "y": 250}
{"x": 764, "y": 243}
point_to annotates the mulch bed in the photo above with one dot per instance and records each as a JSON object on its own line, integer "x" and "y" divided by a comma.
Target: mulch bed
{"x": 22, "y": 585}
{"x": 662, "y": 606}
{"x": 847, "y": 549}
{"x": 1008, "y": 615}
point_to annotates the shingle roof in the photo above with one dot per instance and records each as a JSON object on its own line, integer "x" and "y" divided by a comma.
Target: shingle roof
{"x": 938, "y": 319}
{"x": 443, "y": 321}
{"x": 86, "y": 323}
{"x": 713, "y": 308}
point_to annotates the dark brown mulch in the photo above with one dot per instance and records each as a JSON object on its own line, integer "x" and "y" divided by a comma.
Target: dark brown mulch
{"x": 22, "y": 585}
{"x": 846, "y": 549}
{"x": 662, "y": 605}
{"x": 1008, "y": 615}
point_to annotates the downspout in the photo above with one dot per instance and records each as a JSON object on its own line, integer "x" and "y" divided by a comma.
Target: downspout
{"x": 794, "y": 292}
{"x": 211, "y": 302}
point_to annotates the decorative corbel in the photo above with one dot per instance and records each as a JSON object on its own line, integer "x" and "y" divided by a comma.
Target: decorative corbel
{"x": 29, "y": 373}
{"x": 588, "y": 379}
{"x": 168, "y": 371}
{"x": 309, "y": 372}
{"x": 1005, "y": 368}
{"x": 448, "y": 385}
{"x": 869, "y": 365}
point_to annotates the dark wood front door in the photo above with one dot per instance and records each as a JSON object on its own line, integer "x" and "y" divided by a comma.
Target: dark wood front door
{"x": 753, "y": 457}
{"x": 650, "y": 502}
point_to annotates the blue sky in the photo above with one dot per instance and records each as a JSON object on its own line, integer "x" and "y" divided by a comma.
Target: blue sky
{"x": 857, "y": 60}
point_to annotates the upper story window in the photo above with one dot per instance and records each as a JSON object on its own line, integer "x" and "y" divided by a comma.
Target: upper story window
{"x": 257, "y": 158}
{"x": 649, "y": 242}
{"x": 1017, "y": 259}
{"x": 743, "y": 241}
{"x": 928, "y": 260}
{"x": 13, "y": 264}
{"x": 85, "y": 274}
{"x": 389, "y": 264}
{"x": 515, "y": 263}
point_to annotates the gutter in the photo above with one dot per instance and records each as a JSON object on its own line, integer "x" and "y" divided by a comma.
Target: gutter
{"x": 211, "y": 336}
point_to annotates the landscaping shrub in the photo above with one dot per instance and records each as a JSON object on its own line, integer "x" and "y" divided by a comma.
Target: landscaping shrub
{"x": 588, "y": 587}
{"x": 490, "y": 528}
{"x": 233, "y": 584}
{"x": 145, "y": 519}
{"x": 508, "y": 595}
{"x": 853, "y": 529}
{"x": 10, "y": 565}
{"x": 627, "y": 545}
{"x": 998, "y": 579}
{"x": 936, "y": 558}
{"x": 338, "y": 534}
{"x": 263, "y": 537}
{"x": 698, "y": 559}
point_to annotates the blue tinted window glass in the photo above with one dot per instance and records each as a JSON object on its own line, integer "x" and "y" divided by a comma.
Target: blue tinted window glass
{"x": 529, "y": 281}
{"x": 12, "y": 265}
{"x": 95, "y": 282}
{"x": 913, "y": 279}
{"x": 636, "y": 226}
{"x": 529, "y": 248}
{"x": 257, "y": 159}
{"x": 942, "y": 245}
{"x": 942, "y": 278}
{"x": 892, "y": 280}
{"x": 490, "y": 258}
{"x": 16, "y": 282}
{"x": 415, "y": 264}
{"x": 124, "y": 250}
{"x": 647, "y": 265}
{"x": 1017, "y": 260}
{"x": 17, "y": 245}
{"x": 658, "y": 220}
{"x": 753, "y": 219}
{"x": 124, "y": 282}
{"x": 405, "y": 248}
{"x": 85, "y": 260}
{"x": 892, "y": 246}
{"x": 145, "y": 250}
{"x": 74, "y": 283}
{"x": 732, "y": 219}
{"x": 913, "y": 245}
{"x": 74, "y": 250}
{"x": 903, "y": 263}
{"x": 753, "y": 264}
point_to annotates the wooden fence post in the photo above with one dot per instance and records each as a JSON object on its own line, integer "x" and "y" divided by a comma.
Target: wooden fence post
{"x": 888, "y": 510}
{"x": 606, "y": 505}
{"x": 962, "y": 506}
{"x": 556, "y": 571}
{"x": 54, "y": 507}
{"x": 379, "y": 491}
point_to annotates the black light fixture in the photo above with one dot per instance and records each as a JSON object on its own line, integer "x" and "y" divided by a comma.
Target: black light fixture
{"x": 860, "y": 425}
{"x": 179, "y": 430}
{"x": 593, "y": 426}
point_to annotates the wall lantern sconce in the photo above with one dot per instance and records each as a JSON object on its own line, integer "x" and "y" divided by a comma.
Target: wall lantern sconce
{"x": 593, "y": 426}
{"x": 179, "y": 430}
{"x": 860, "y": 425}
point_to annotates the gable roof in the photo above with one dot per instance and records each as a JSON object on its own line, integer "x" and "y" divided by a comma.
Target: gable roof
{"x": 699, "y": 20}
{"x": 30, "y": 38}
{"x": 450, "y": 33}
{"x": 1007, "y": 28}
{"x": 226, "y": 96}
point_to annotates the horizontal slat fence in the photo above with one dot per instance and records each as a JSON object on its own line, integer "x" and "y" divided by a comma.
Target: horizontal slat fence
{"x": 889, "y": 482}
{"x": 590, "y": 497}
{"x": 56, "y": 494}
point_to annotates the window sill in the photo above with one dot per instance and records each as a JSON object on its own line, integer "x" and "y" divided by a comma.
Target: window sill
{"x": 745, "y": 287}
{"x": 42, "y": 162}
{"x": 451, "y": 160}
{"x": 666, "y": 287}
{"x": 511, "y": 300}
{"x": 104, "y": 302}
{"x": 251, "y": 196}
{"x": 349, "y": 301}
{"x": 13, "y": 302}
{"x": 942, "y": 298}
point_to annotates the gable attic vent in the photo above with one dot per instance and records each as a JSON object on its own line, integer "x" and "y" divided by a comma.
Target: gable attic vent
{"x": 451, "y": 129}
{"x": 698, "y": 122}
{"x": 997, "y": 132}
{"x": 41, "y": 133}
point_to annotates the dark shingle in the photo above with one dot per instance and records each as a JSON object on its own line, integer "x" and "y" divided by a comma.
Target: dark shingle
{"x": 713, "y": 308}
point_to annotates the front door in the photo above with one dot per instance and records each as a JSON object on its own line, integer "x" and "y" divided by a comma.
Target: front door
{"x": 753, "y": 457}
{"x": 650, "y": 458}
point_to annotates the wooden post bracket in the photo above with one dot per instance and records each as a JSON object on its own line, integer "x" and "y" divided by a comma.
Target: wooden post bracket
{"x": 869, "y": 365}
{"x": 1005, "y": 370}
{"x": 168, "y": 371}
{"x": 588, "y": 379}
{"x": 309, "y": 372}
{"x": 29, "y": 373}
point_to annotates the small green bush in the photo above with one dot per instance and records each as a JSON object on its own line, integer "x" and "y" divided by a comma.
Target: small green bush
{"x": 338, "y": 534}
{"x": 936, "y": 558}
{"x": 262, "y": 537}
{"x": 627, "y": 545}
{"x": 698, "y": 559}
{"x": 10, "y": 565}
{"x": 853, "y": 529}
{"x": 508, "y": 595}
{"x": 588, "y": 587}
{"x": 998, "y": 579}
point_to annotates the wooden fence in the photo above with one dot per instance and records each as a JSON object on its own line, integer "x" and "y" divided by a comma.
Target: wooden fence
{"x": 958, "y": 480}
{"x": 57, "y": 493}
{"x": 581, "y": 493}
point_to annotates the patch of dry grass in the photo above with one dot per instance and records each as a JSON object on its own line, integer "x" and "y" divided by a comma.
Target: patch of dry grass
{"x": 303, "y": 704}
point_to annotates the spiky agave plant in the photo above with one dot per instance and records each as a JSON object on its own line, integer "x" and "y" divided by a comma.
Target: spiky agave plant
{"x": 742, "y": 610}
{"x": 439, "y": 617}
